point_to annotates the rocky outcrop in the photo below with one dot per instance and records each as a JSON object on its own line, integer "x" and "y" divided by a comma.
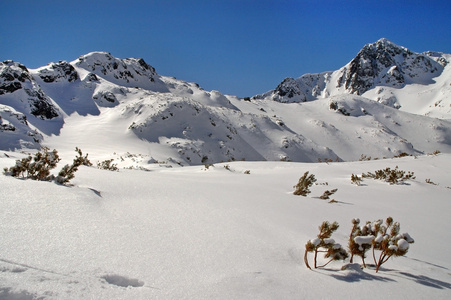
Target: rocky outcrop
{"x": 12, "y": 76}
{"x": 15, "y": 78}
{"x": 129, "y": 71}
{"x": 56, "y": 72}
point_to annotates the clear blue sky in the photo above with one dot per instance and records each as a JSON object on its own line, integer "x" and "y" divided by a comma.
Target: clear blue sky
{"x": 239, "y": 47}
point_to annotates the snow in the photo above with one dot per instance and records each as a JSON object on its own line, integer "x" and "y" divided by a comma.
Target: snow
{"x": 403, "y": 244}
{"x": 315, "y": 242}
{"x": 364, "y": 240}
{"x": 193, "y": 232}
{"x": 329, "y": 241}
{"x": 393, "y": 247}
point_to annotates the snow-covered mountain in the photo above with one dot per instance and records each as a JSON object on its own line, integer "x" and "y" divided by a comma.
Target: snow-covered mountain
{"x": 419, "y": 83}
{"x": 123, "y": 109}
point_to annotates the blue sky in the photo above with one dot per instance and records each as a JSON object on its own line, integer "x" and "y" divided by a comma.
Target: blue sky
{"x": 239, "y": 47}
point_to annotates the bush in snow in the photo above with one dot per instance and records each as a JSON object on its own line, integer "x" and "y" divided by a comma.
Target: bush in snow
{"x": 39, "y": 166}
{"x": 68, "y": 171}
{"x": 360, "y": 240}
{"x": 388, "y": 241}
{"x": 324, "y": 243}
{"x": 392, "y": 176}
{"x": 382, "y": 238}
{"x": 356, "y": 179}
{"x": 327, "y": 194}
{"x": 107, "y": 165}
{"x": 302, "y": 187}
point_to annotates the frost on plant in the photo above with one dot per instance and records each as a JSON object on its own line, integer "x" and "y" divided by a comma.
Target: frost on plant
{"x": 325, "y": 244}
{"x": 304, "y": 183}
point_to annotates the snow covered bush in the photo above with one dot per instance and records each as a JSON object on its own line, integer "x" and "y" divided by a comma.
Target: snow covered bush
{"x": 388, "y": 241}
{"x": 39, "y": 166}
{"x": 302, "y": 187}
{"x": 360, "y": 240}
{"x": 382, "y": 238}
{"x": 325, "y": 244}
{"x": 392, "y": 176}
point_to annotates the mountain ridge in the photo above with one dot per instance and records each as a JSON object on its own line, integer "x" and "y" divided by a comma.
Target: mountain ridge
{"x": 376, "y": 65}
{"x": 98, "y": 100}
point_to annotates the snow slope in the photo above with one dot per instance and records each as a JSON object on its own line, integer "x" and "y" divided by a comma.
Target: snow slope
{"x": 217, "y": 233}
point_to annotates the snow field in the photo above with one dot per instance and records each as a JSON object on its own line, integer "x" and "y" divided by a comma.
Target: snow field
{"x": 202, "y": 233}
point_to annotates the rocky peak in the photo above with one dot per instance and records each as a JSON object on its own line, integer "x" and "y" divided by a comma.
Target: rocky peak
{"x": 288, "y": 88}
{"x": 381, "y": 63}
{"x": 129, "y": 70}
{"x": 387, "y": 64}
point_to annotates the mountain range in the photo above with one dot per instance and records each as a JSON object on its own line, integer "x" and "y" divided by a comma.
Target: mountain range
{"x": 386, "y": 101}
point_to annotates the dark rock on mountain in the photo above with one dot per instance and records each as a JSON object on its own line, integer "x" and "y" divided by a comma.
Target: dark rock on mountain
{"x": 384, "y": 63}
{"x": 15, "y": 78}
{"x": 132, "y": 71}
{"x": 12, "y": 74}
{"x": 58, "y": 72}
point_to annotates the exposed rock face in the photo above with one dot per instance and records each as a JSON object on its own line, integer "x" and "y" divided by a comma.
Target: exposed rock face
{"x": 129, "y": 70}
{"x": 15, "y": 78}
{"x": 15, "y": 131}
{"x": 40, "y": 104}
{"x": 57, "y": 72}
{"x": 12, "y": 75}
{"x": 387, "y": 64}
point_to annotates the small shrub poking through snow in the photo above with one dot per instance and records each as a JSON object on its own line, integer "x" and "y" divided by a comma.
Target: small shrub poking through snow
{"x": 324, "y": 243}
{"x": 107, "y": 165}
{"x": 302, "y": 187}
{"x": 392, "y": 176}
{"x": 39, "y": 166}
{"x": 68, "y": 171}
{"x": 384, "y": 238}
{"x": 360, "y": 240}
{"x": 355, "y": 179}
{"x": 389, "y": 242}
{"x": 327, "y": 193}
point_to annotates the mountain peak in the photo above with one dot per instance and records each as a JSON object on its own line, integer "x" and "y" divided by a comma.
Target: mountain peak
{"x": 384, "y": 45}
{"x": 128, "y": 72}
